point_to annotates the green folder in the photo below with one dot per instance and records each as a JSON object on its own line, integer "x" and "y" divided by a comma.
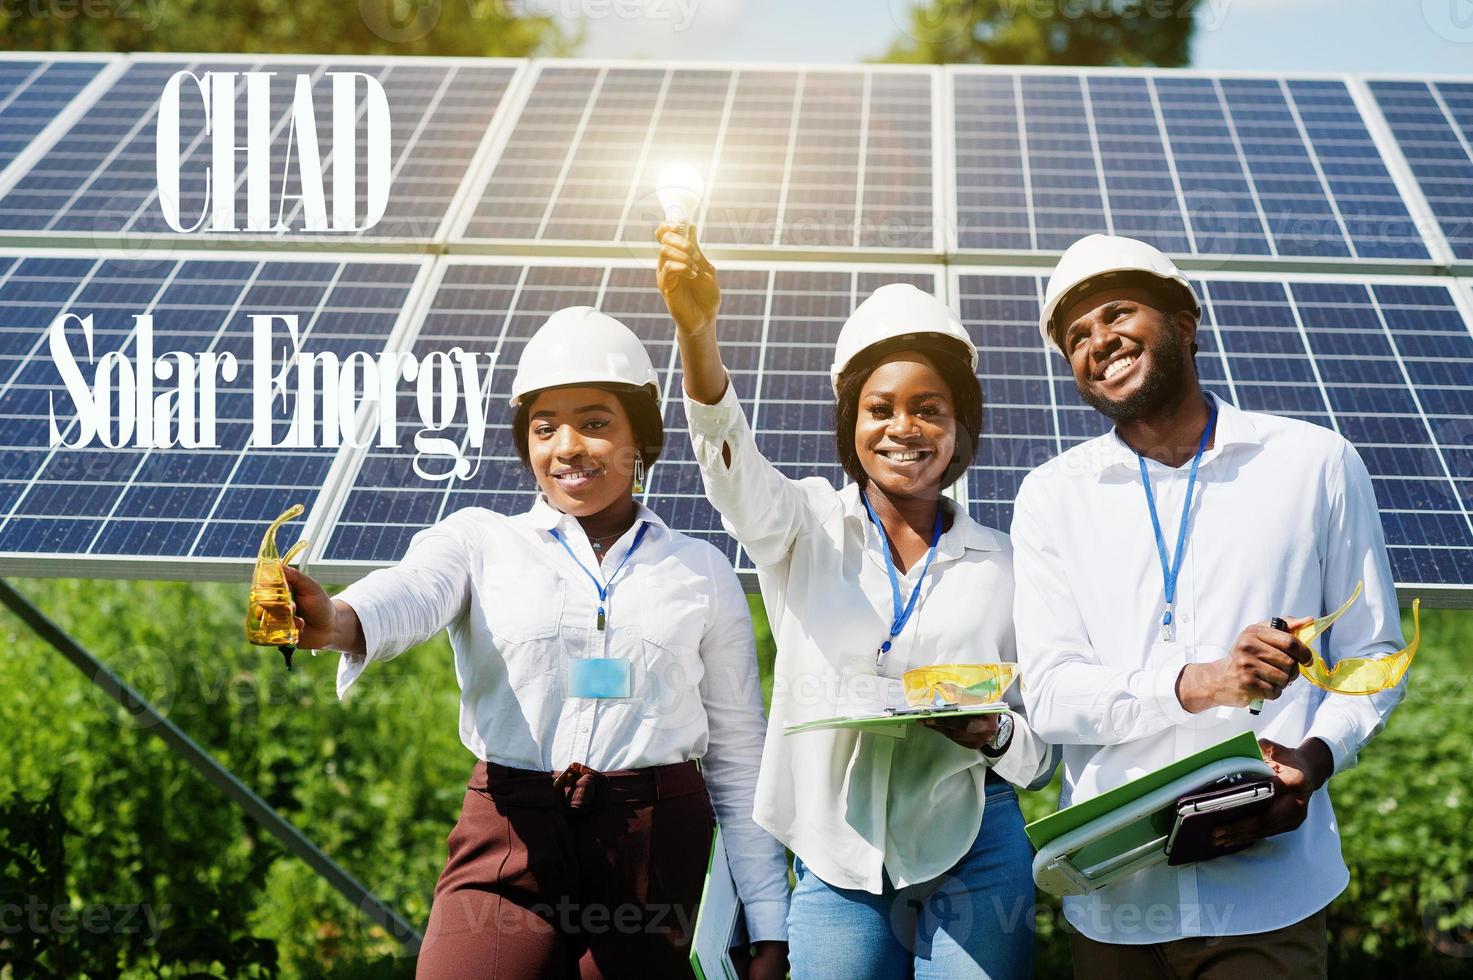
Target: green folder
{"x": 719, "y": 927}
{"x": 892, "y": 718}
{"x": 1040, "y": 832}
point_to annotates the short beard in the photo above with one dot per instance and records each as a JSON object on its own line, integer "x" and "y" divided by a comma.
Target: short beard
{"x": 1158, "y": 390}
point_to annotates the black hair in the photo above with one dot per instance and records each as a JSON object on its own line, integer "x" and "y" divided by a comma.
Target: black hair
{"x": 638, "y": 403}
{"x": 952, "y": 362}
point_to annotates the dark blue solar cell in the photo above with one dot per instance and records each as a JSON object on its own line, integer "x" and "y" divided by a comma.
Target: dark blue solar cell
{"x": 34, "y": 92}
{"x": 1433, "y": 125}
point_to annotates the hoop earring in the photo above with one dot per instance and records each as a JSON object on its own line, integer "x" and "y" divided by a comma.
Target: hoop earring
{"x": 638, "y": 475}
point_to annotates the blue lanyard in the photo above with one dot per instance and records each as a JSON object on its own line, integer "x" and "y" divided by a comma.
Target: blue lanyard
{"x": 603, "y": 590}
{"x": 1170, "y": 570}
{"x": 901, "y": 613}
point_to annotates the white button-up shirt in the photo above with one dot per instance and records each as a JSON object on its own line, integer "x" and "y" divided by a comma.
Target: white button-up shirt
{"x": 853, "y": 805}
{"x": 1283, "y": 523}
{"x": 519, "y": 610}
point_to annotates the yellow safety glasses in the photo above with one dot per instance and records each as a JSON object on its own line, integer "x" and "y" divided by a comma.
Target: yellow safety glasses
{"x": 961, "y": 684}
{"x": 1358, "y": 675}
{"x": 270, "y": 615}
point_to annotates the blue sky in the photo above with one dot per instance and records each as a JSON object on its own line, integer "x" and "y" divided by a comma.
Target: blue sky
{"x": 1421, "y": 36}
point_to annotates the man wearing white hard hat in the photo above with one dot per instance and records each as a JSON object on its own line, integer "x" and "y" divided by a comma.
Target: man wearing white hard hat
{"x": 1149, "y": 562}
{"x": 910, "y": 857}
{"x": 599, "y": 653}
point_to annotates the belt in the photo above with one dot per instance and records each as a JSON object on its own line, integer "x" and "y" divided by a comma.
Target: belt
{"x": 580, "y": 788}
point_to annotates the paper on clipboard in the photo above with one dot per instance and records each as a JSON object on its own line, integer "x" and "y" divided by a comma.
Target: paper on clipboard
{"x": 719, "y": 924}
{"x": 890, "y": 719}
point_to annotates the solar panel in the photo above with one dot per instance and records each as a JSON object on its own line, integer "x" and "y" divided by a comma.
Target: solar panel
{"x": 1278, "y": 185}
{"x": 173, "y": 509}
{"x": 778, "y": 330}
{"x": 1388, "y": 363}
{"x": 1196, "y": 164}
{"x": 35, "y": 88}
{"x": 826, "y": 159}
{"x": 98, "y": 180}
{"x": 1433, "y": 125}
{"x": 39, "y": 87}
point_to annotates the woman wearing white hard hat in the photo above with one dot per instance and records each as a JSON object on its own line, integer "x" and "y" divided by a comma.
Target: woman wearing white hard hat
{"x": 909, "y": 845}
{"x": 599, "y": 654}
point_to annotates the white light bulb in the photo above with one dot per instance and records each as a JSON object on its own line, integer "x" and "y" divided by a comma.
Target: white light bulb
{"x": 679, "y": 189}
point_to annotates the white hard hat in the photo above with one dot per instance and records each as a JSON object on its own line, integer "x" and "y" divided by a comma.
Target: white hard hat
{"x": 1091, "y": 263}
{"x": 581, "y": 346}
{"x": 895, "y": 312}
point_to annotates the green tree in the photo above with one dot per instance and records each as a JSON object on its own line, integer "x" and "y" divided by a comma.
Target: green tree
{"x": 469, "y": 28}
{"x": 1046, "y": 32}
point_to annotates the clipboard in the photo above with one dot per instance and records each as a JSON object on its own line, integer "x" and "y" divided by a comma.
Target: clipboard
{"x": 1084, "y": 847}
{"x": 894, "y": 718}
{"x": 719, "y": 925}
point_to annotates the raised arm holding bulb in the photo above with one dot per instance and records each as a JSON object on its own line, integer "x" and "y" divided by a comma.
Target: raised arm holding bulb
{"x": 877, "y": 822}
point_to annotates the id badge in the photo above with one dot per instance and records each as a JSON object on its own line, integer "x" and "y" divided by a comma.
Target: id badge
{"x": 599, "y": 677}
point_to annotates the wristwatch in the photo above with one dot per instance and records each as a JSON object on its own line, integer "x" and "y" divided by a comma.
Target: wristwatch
{"x": 1004, "y": 737}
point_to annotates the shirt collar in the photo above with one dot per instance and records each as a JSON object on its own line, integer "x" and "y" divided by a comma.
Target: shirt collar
{"x": 964, "y": 534}
{"x": 1234, "y": 427}
{"x": 544, "y": 516}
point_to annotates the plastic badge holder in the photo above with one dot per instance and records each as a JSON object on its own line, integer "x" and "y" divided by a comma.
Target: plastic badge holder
{"x": 1125, "y": 830}
{"x": 598, "y": 678}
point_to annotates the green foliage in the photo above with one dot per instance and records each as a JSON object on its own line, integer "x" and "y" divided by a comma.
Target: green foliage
{"x": 1046, "y": 32}
{"x": 377, "y": 781}
{"x": 400, "y": 27}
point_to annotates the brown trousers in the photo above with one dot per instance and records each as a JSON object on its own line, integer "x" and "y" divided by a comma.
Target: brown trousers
{"x": 1300, "y": 951}
{"x": 578, "y": 874}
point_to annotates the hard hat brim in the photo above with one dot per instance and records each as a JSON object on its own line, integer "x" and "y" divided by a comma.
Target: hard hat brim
{"x": 1111, "y": 279}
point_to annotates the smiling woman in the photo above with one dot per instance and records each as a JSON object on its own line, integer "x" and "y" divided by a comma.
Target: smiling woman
{"x": 891, "y": 832}
{"x": 600, "y": 654}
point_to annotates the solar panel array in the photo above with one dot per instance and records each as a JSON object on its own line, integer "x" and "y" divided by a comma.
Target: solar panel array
{"x": 830, "y": 159}
{"x": 1196, "y": 164}
{"x": 1325, "y": 218}
{"x": 1433, "y": 124}
{"x": 99, "y": 180}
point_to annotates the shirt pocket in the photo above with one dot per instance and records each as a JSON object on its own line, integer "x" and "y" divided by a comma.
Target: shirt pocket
{"x": 524, "y": 612}
{"x": 668, "y": 668}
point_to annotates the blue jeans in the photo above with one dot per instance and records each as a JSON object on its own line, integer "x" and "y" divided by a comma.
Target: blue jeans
{"x": 974, "y": 921}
